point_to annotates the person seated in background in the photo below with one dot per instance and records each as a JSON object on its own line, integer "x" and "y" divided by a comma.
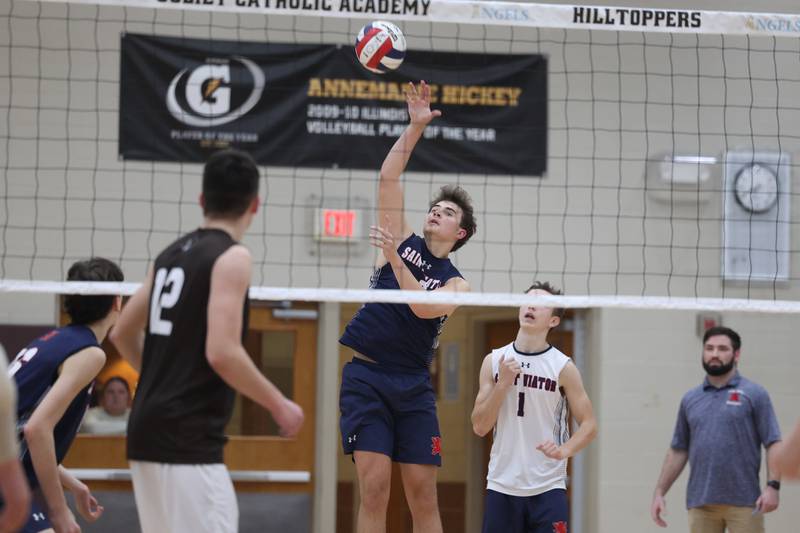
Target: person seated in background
{"x": 111, "y": 416}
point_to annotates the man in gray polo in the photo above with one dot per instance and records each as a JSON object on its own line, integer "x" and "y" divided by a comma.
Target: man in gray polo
{"x": 721, "y": 427}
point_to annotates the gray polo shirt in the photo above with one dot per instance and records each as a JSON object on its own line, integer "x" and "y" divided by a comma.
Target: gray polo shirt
{"x": 723, "y": 430}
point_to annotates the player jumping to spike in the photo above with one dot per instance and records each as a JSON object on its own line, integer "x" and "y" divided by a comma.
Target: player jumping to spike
{"x": 388, "y": 407}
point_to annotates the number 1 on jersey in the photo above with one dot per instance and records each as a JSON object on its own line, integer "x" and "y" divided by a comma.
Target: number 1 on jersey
{"x": 521, "y": 404}
{"x": 161, "y": 299}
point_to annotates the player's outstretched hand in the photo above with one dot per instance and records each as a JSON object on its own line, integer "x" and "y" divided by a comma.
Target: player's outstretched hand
{"x": 381, "y": 237}
{"x": 419, "y": 104}
{"x": 551, "y": 450}
{"x": 509, "y": 370}
{"x": 657, "y": 508}
{"x": 87, "y": 505}
{"x": 289, "y": 418}
{"x": 64, "y": 522}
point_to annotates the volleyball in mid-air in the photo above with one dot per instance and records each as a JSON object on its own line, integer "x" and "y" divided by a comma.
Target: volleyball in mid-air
{"x": 380, "y": 46}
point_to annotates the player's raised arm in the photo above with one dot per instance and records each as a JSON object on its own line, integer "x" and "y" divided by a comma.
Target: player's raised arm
{"x": 390, "y": 190}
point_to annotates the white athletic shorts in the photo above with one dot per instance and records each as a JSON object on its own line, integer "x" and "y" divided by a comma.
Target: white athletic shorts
{"x": 174, "y": 498}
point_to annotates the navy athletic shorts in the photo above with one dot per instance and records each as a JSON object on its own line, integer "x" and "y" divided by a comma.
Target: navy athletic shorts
{"x": 390, "y": 412}
{"x": 544, "y": 513}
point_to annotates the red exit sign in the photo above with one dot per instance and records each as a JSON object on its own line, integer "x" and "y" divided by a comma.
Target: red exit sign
{"x": 337, "y": 224}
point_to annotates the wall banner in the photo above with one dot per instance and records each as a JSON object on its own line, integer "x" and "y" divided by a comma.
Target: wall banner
{"x": 316, "y": 106}
{"x": 481, "y": 12}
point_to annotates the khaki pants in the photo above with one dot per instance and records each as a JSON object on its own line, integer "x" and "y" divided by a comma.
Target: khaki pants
{"x": 716, "y": 518}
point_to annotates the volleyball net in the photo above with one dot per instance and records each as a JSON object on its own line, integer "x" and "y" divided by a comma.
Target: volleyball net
{"x": 634, "y": 157}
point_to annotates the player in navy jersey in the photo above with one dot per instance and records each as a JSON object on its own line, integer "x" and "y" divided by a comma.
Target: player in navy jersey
{"x": 525, "y": 388}
{"x": 387, "y": 404}
{"x": 54, "y": 376}
{"x": 184, "y": 329}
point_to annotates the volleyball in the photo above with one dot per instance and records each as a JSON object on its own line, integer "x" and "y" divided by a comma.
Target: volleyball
{"x": 380, "y": 46}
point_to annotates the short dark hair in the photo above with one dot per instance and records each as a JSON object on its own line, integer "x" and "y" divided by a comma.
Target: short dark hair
{"x": 87, "y": 309}
{"x": 546, "y": 286}
{"x": 230, "y": 182}
{"x": 736, "y": 340}
{"x": 117, "y": 378}
{"x": 460, "y": 197}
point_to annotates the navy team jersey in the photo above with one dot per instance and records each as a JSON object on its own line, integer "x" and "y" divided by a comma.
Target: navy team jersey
{"x": 391, "y": 334}
{"x": 35, "y": 369}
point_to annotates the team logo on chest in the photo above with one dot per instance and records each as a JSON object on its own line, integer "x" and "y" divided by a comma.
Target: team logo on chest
{"x": 734, "y": 397}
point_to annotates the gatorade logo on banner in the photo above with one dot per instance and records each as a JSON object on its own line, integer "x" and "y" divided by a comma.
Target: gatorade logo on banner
{"x": 205, "y": 95}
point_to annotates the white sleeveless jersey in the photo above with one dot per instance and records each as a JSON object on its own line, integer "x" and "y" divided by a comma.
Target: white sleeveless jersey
{"x": 533, "y": 412}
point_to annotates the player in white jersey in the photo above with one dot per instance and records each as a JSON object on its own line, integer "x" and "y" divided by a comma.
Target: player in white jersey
{"x": 525, "y": 388}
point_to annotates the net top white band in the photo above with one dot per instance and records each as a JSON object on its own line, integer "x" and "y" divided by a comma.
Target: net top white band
{"x": 496, "y": 13}
{"x": 483, "y": 299}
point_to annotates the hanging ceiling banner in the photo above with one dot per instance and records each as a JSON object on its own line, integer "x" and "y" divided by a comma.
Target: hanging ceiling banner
{"x": 577, "y": 16}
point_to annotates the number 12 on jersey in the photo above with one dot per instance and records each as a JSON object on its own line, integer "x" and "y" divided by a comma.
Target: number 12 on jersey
{"x": 167, "y": 287}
